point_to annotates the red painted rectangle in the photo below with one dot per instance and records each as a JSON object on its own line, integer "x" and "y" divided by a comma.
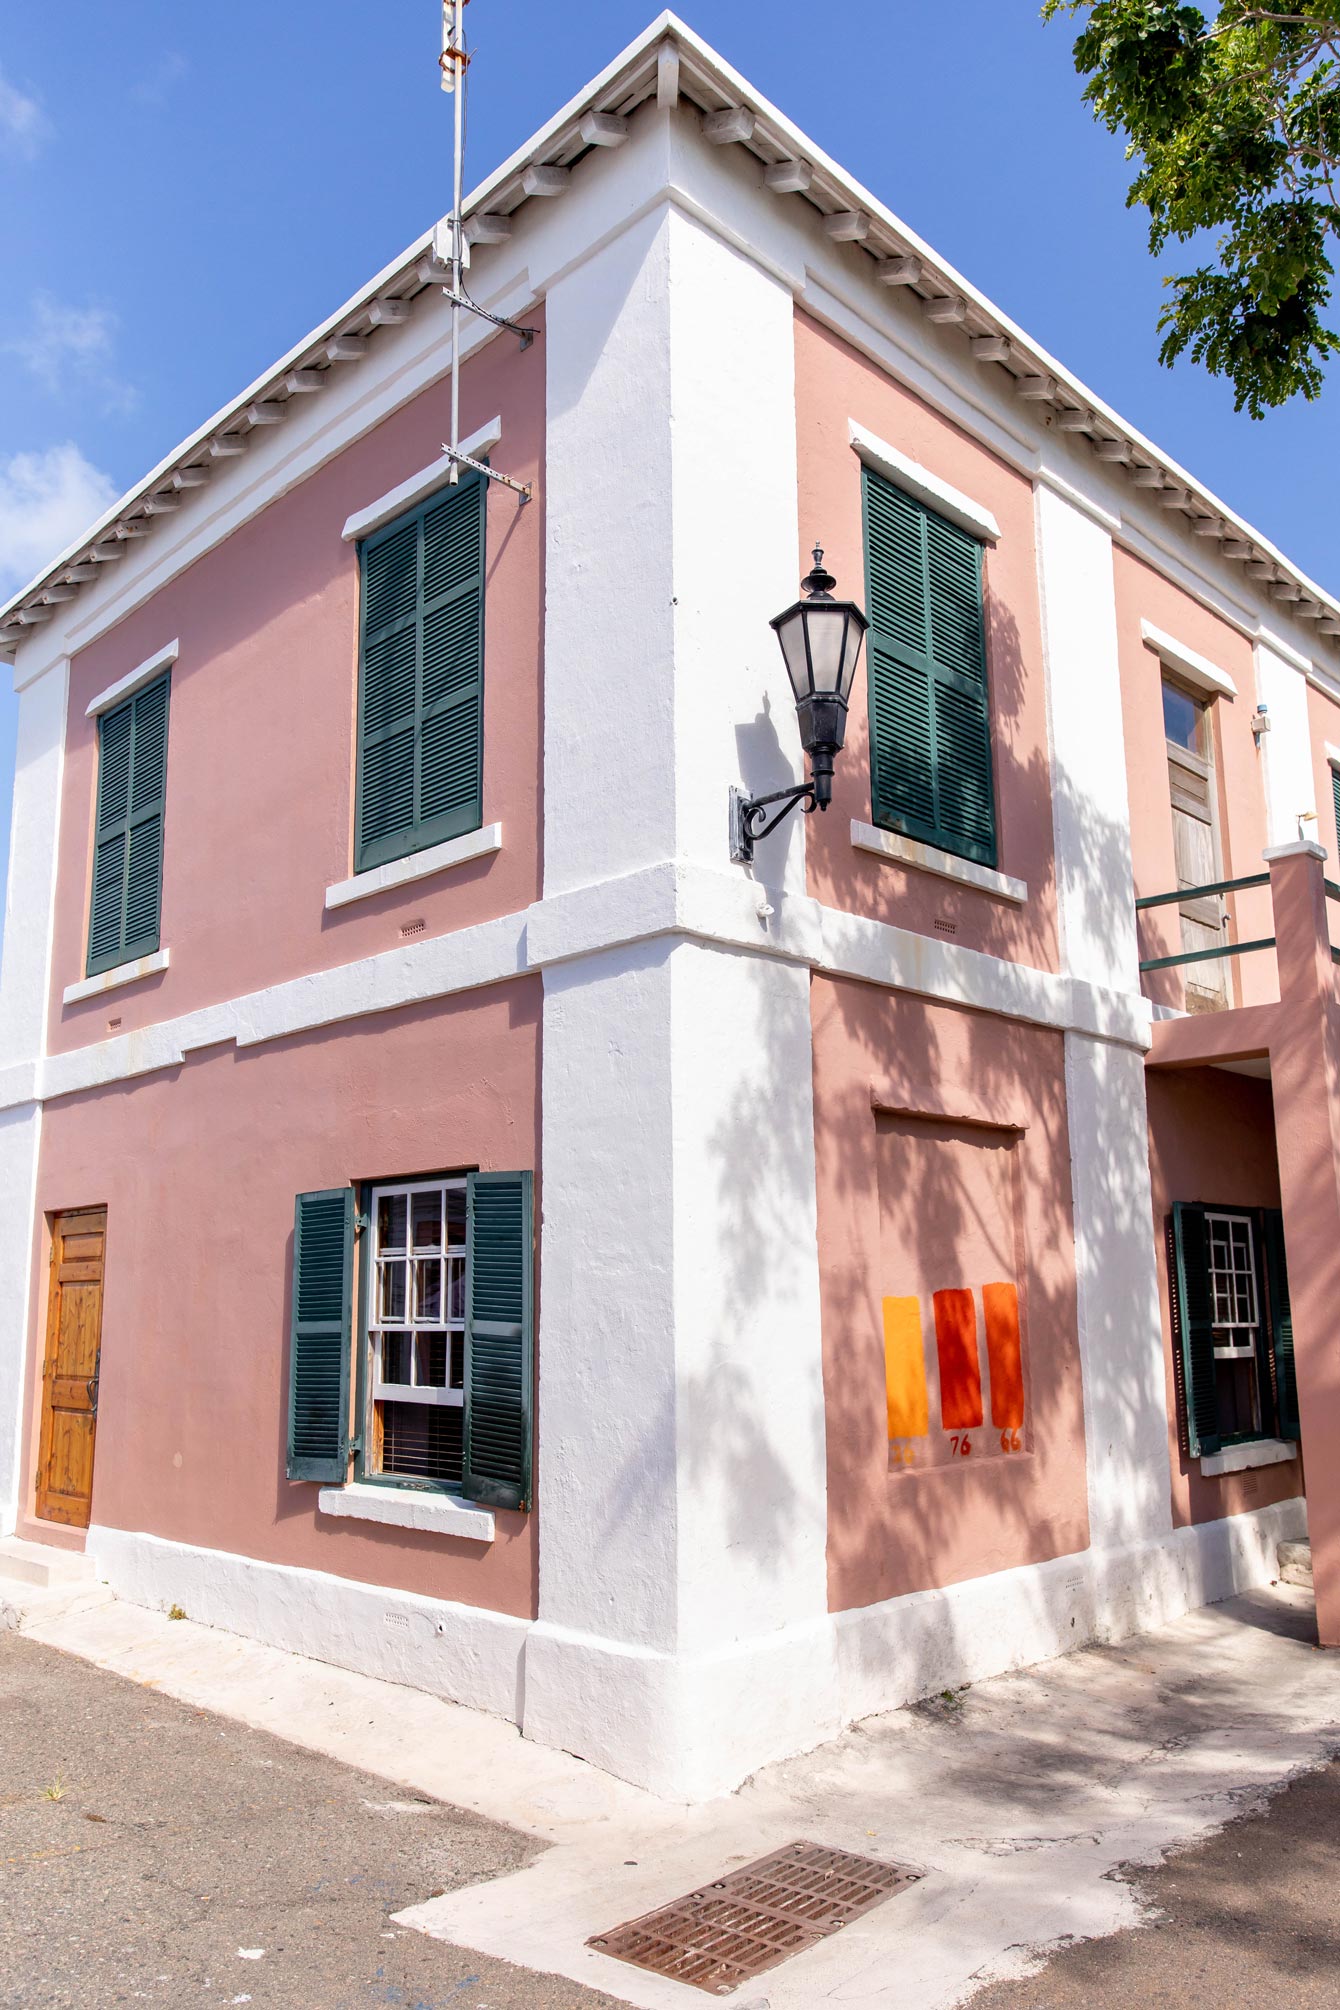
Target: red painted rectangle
{"x": 960, "y": 1369}
{"x": 1004, "y": 1353}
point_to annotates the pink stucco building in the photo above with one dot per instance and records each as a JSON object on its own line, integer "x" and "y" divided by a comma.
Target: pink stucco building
{"x": 462, "y": 1225}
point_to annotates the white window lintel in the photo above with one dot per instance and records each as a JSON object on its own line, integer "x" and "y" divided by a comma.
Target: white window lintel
{"x": 929, "y": 858}
{"x": 113, "y": 979}
{"x": 407, "y": 493}
{"x": 133, "y": 680}
{"x": 908, "y": 474}
{"x": 1332, "y": 753}
{"x": 1241, "y": 1458}
{"x": 419, "y": 864}
{"x": 1188, "y": 663}
{"x": 409, "y": 1507}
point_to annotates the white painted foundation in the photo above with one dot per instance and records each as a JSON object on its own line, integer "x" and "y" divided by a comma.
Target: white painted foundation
{"x": 725, "y": 1713}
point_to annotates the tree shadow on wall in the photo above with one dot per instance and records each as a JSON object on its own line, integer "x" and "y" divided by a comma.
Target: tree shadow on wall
{"x": 892, "y": 1532}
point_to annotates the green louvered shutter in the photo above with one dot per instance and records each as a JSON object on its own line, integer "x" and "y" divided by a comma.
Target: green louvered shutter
{"x": 499, "y": 1338}
{"x": 1193, "y": 1328}
{"x": 1281, "y": 1325}
{"x": 1335, "y": 798}
{"x": 421, "y": 682}
{"x": 930, "y": 725}
{"x": 319, "y": 1339}
{"x": 124, "y": 917}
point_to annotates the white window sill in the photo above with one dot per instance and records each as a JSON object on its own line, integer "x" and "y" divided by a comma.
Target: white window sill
{"x": 404, "y": 871}
{"x": 396, "y": 1507}
{"x": 1241, "y": 1458}
{"x": 113, "y": 979}
{"x": 927, "y": 858}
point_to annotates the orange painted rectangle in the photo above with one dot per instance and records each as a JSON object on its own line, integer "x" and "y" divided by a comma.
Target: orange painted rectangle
{"x": 960, "y": 1369}
{"x": 905, "y": 1369}
{"x": 1004, "y": 1353}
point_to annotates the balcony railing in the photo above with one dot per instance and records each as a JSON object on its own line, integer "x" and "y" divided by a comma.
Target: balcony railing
{"x": 1185, "y": 893}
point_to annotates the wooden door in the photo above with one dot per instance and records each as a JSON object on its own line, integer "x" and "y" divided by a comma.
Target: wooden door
{"x": 70, "y": 1371}
{"x": 1195, "y": 845}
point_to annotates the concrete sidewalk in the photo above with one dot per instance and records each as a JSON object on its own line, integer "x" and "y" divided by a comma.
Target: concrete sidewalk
{"x": 1017, "y": 1800}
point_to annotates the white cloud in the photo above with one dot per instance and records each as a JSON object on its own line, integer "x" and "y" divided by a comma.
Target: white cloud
{"x": 66, "y": 345}
{"x": 156, "y": 88}
{"x": 46, "y": 500}
{"x": 24, "y": 126}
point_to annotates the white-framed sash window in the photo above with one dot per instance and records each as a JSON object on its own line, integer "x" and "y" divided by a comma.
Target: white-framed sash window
{"x": 416, "y": 1328}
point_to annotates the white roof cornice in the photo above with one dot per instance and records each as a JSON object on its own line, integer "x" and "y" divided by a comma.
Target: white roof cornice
{"x": 667, "y": 62}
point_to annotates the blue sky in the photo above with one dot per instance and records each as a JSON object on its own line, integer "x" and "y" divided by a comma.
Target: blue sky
{"x": 185, "y": 190}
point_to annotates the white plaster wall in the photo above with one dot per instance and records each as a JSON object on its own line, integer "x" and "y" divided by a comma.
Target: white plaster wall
{"x": 752, "y": 1469}
{"x": 1090, "y": 810}
{"x": 1286, "y": 750}
{"x": 1120, "y": 1337}
{"x": 458, "y": 1651}
{"x": 736, "y": 544}
{"x": 722, "y": 1714}
{"x": 681, "y": 1488}
{"x": 24, "y": 979}
{"x": 606, "y": 1485}
{"x": 20, "y": 1139}
{"x": 1120, "y": 1332}
{"x": 609, "y": 714}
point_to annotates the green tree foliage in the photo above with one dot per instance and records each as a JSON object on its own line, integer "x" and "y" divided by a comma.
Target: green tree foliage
{"x": 1233, "y": 116}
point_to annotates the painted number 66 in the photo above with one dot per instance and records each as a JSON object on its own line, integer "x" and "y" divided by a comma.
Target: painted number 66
{"x": 1010, "y": 1441}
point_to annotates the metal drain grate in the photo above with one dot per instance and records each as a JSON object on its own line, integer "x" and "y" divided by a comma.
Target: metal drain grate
{"x": 727, "y": 1932}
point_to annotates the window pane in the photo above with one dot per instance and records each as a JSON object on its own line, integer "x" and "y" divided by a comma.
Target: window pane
{"x": 391, "y": 1221}
{"x": 396, "y": 1357}
{"x": 430, "y": 1352}
{"x": 421, "y": 1440}
{"x": 455, "y": 1287}
{"x": 1183, "y": 718}
{"x": 428, "y": 1290}
{"x": 391, "y": 1295}
{"x": 427, "y": 1208}
{"x": 456, "y": 1217}
{"x": 458, "y": 1360}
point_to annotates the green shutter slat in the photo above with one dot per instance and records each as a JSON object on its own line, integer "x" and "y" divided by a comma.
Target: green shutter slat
{"x": 319, "y": 1338}
{"x": 499, "y": 1339}
{"x": 420, "y": 768}
{"x": 1281, "y": 1326}
{"x": 930, "y": 723}
{"x": 1194, "y": 1329}
{"x": 389, "y": 666}
{"x": 453, "y": 540}
{"x": 391, "y": 578}
{"x": 125, "y": 910}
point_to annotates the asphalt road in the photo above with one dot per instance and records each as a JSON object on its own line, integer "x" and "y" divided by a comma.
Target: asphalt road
{"x": 1249, "y": 1920}
{"x": 154, "y": 1853}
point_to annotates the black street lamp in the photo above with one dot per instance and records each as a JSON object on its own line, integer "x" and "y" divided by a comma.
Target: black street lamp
{"x": 821, "y": 645}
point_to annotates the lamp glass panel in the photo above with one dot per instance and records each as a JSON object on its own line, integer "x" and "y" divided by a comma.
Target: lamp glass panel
{"x": 828, "y": 626}
{"x": 791, "y": 635}
{"x": 852, "y": 655}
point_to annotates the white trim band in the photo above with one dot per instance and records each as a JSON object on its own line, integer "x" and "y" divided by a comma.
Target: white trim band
{"x": 132, "y": 681}
{"x": 419, "y": 864}
{"x": 1188, "y": 663}
{"x": 407, "y": 1507}
{"x": 113, "y": 979}
{"x": 921, "y": 483}
{"x": 927, "y": 858}
{"x": 1241, "y": 1458}
{"x": 407, "y": 493}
